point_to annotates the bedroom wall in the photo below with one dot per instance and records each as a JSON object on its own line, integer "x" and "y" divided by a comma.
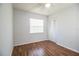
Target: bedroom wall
{"x": 6, "y": 29}
{"x": 64, "y": 28}
{"x": 77, "y": 27}
{"x": 21, "y": 28}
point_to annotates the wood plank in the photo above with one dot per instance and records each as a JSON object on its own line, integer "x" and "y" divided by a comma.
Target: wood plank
{"x": 42, "y": 48}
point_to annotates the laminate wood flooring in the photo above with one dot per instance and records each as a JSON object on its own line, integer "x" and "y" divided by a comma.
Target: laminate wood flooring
{"x": 42, "y": 48}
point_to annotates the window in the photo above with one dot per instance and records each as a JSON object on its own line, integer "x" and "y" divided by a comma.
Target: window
{"x": 36, "y": 25}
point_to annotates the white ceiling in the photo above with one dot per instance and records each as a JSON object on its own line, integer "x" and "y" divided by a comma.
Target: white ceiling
{"x": 40, "y": 7}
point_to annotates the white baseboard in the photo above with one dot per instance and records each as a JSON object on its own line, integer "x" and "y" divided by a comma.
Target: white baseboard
{"x": 66, "y": 47}
{"x": 29, "y": 42}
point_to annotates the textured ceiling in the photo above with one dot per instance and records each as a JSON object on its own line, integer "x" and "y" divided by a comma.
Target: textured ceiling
{"x": 40, "y": 7}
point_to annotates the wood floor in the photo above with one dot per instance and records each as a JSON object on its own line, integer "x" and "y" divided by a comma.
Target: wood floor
{"x": 42, "y": 48}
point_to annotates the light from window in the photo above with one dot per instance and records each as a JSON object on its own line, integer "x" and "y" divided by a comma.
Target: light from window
{"x": 36, "y": 25}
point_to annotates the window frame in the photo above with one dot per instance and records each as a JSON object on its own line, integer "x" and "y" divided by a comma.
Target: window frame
{"x": 36, "y": 32}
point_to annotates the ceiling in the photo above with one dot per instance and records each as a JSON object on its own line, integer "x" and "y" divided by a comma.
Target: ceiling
{"x": 40, "y": 7}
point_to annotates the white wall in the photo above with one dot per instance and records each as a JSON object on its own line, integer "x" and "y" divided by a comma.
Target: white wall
{"x": 64, "y": 30}
{"x": 77, "y": 28}
{"x": 0, "y": 30}
{"x": 6, "y": 29}
{"x": 21, "y": 28}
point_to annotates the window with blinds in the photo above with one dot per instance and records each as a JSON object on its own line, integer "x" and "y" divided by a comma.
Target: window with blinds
{"x": 36, "y": 25}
